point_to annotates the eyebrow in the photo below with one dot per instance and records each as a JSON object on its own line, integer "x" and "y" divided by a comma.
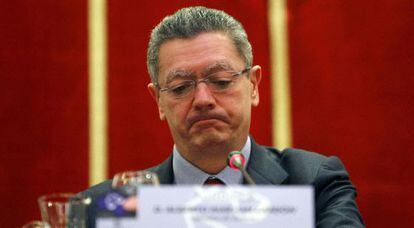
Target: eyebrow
{"x": 176, "y": 73}
{"x": 218, "y": 66}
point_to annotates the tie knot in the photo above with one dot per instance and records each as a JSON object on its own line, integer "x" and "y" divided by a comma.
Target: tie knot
{"x": 213, "y": 181}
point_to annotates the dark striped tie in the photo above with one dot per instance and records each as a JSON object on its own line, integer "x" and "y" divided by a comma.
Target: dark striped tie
{"x": 213, "y": 181}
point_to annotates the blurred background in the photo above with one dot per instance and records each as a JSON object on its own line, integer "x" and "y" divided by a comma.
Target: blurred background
{"x": 351, "y": 91}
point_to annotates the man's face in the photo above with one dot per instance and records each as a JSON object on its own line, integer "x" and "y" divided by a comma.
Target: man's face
{"x": 205, "y": 119}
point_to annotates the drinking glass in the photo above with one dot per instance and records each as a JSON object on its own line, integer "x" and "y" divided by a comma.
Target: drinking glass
{"x": 62, "y": 210}
{"x": 127, "y": 183}
{"x": 36, "y": 224}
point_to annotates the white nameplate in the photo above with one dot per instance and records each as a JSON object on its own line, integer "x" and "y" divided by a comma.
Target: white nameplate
{"x": 221, "y": 207}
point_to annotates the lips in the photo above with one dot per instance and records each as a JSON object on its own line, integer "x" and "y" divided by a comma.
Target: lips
{"x": 193, "y": 120}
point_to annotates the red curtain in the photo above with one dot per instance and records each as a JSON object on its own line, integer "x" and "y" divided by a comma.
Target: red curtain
{"x": 43, "y": 104}
{"x": 351, "y": 79}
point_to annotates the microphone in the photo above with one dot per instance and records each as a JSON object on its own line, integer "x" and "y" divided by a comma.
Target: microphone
{"x": 237, "y": 161}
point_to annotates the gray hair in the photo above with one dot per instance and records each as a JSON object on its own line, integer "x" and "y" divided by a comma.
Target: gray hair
{"x": 189, "y": 22}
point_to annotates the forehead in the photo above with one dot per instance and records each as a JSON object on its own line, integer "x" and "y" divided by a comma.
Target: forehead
{"x": 197, "y": 53}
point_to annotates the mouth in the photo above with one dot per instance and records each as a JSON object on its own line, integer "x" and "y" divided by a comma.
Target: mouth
{"x": 205, "y": 120}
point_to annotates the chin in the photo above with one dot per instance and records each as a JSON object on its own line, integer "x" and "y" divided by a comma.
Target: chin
{"x": 210, "y": 139}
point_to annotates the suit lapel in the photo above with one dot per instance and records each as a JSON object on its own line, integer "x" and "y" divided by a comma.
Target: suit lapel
{"x": 165, "y": 171}
{"x": 264, "y": 167}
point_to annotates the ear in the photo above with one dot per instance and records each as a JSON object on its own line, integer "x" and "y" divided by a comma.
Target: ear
{"x": 155, "y": 94}
{"x": 255, "y": 77}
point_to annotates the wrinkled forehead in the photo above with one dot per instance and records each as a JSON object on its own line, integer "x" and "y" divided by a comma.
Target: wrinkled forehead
{"x": 222, "y": 65}
{"x": 205, "y": 53}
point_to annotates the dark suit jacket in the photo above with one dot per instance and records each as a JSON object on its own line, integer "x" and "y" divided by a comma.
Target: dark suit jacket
{"x": 335, "y": 204}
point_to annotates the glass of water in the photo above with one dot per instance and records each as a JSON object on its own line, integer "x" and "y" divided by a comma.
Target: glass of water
{"x": 61, "y": 210}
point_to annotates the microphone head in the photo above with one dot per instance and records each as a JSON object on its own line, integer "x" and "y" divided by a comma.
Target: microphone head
{"x": 236, "y": 160}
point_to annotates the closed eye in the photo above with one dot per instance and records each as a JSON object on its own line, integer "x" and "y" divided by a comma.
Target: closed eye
{"x": 220, "y": 83}
{"x": 181, "y": 88}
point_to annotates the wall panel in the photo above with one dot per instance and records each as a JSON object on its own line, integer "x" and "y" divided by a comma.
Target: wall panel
{"x": 43, "y": 109}
{"x": 351, "y": 78}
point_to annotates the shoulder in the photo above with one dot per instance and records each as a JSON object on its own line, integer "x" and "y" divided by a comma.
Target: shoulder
{"x": 305, "y": 167}
{"x": 98, "y": 190}
{"x": 334, "y": 192}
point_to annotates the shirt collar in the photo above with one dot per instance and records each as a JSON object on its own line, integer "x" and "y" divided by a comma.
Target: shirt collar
{"x": 187, "y": 173}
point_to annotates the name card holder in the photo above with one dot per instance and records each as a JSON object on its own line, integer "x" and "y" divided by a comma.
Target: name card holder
{"x": 220, "y": 207}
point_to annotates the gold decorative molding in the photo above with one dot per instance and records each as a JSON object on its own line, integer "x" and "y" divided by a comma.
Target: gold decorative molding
{"x": 97, "y": 36}
{"x": 279, "y": 59}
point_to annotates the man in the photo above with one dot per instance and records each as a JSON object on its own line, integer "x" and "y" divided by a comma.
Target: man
{"x": 204, "y": 83}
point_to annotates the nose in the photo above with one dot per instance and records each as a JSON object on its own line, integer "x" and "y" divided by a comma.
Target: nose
{"x": 203, "y": 98}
